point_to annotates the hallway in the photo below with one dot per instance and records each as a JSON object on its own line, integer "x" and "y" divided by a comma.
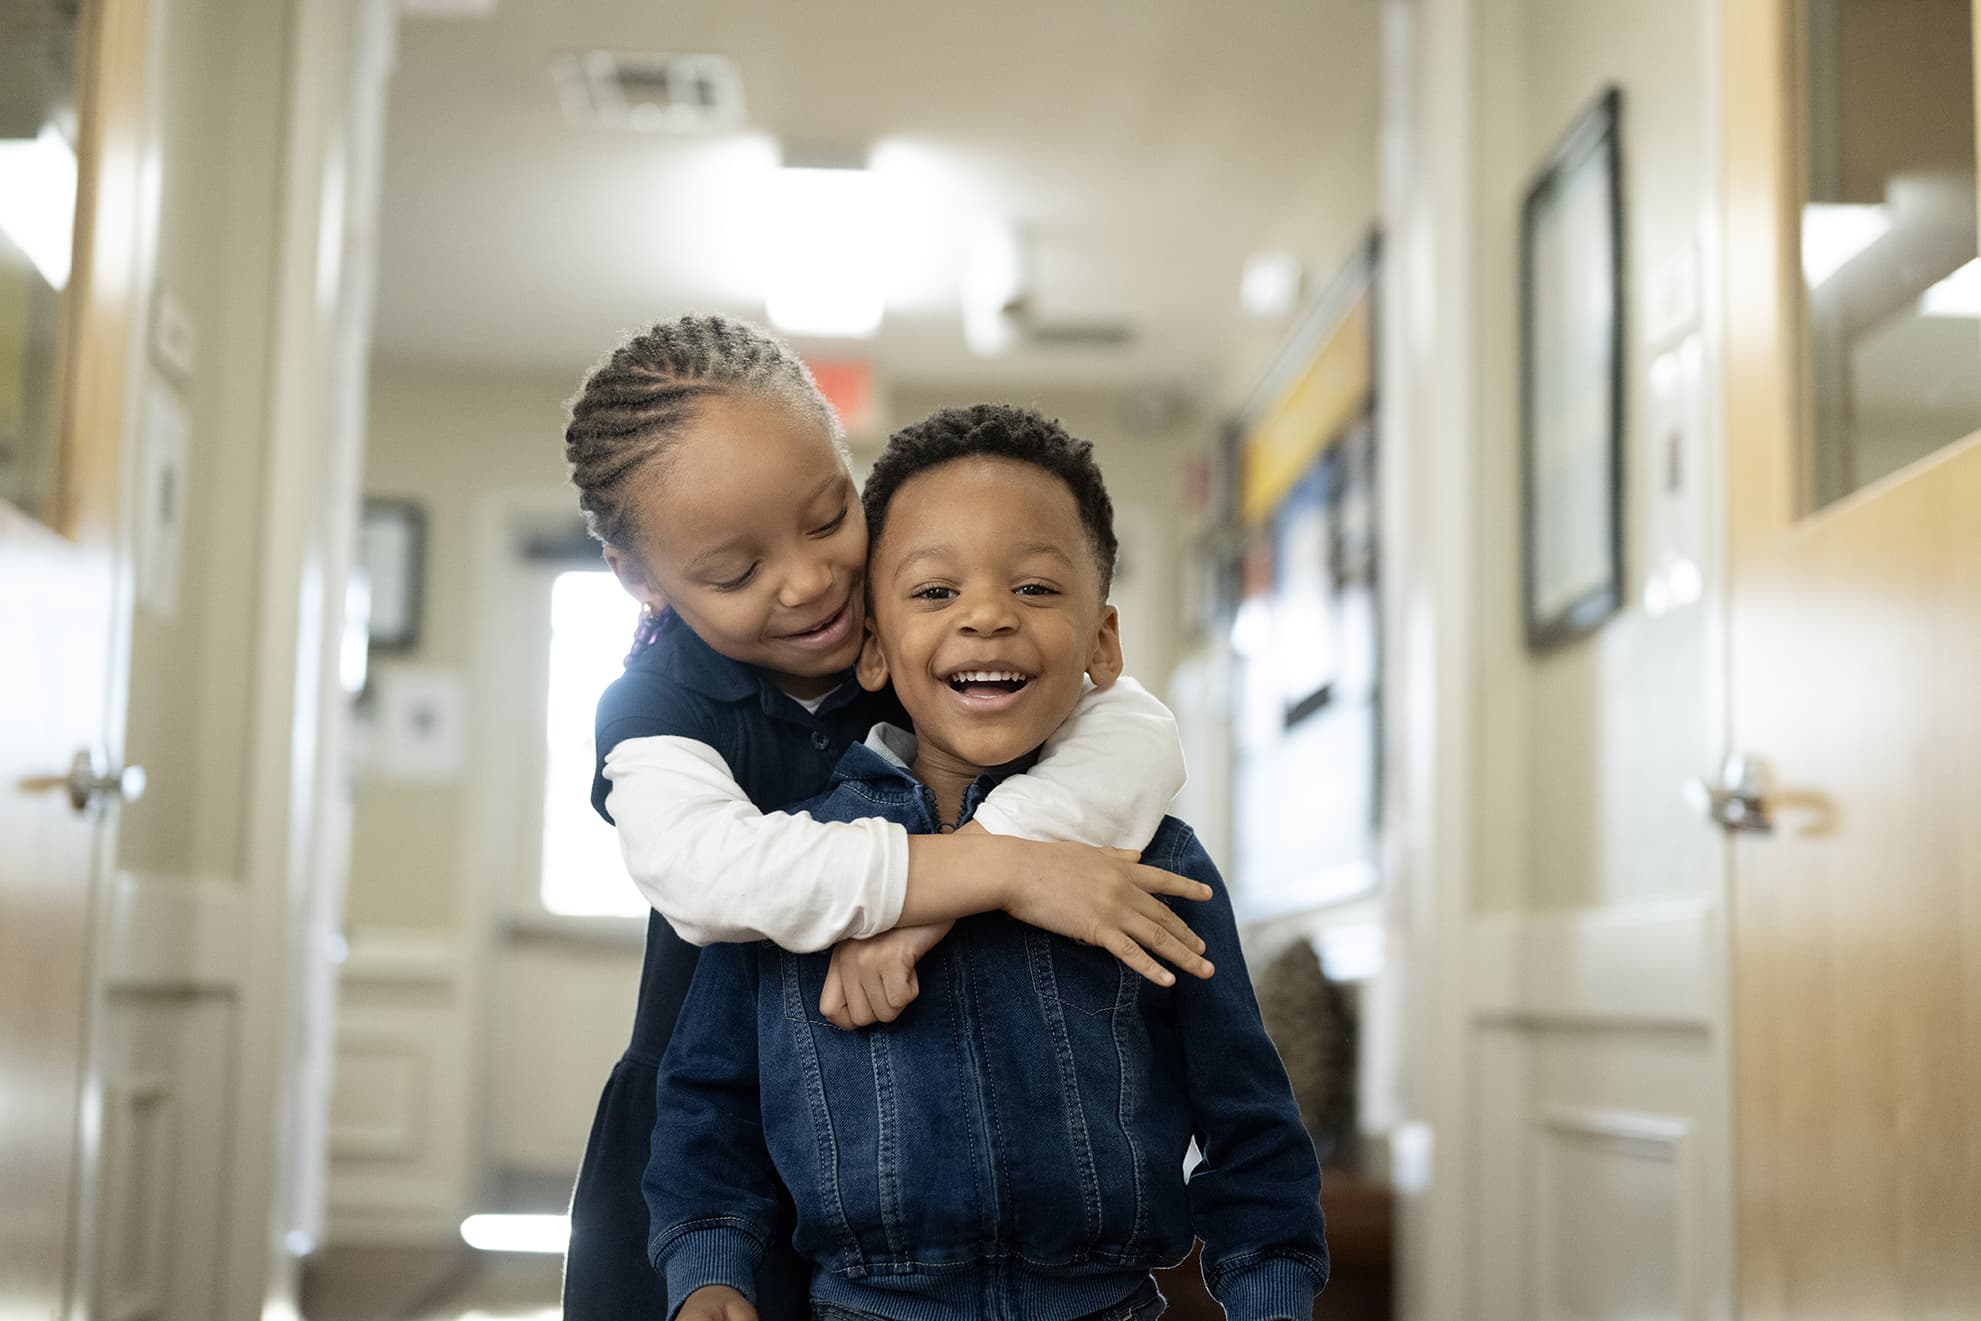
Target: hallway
{"x": 1541, "y": 438}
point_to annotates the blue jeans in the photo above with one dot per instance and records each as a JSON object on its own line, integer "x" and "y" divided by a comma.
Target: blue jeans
{"x": 1145, "y": 1304}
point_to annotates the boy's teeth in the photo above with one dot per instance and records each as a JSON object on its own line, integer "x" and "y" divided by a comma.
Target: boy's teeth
{"x": 987, "y": 676}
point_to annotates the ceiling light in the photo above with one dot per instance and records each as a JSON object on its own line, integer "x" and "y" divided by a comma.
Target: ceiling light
{"x": 38, "y": 201}
{"x": 827, "y": 256}
{"x": 517, "y": 1233}
{"x": 1957, "y": 295}
{"x": 1270, "y": 286}
{"x": 1835, "y": 232}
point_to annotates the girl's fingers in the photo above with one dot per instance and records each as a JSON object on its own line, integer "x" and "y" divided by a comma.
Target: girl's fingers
{"x": 897, "y": 987}
{"x": 1154, "y": 880}
{"x": 1120, "y": 944}
{"x": 1160, "y": 913}
{"x": 858, "y": 1008}
{"x": 832, "y": 1000}
{"x": 1156, "y": 937}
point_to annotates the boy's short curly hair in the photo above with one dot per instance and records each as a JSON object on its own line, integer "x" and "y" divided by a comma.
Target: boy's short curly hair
{"x": 1002, "y": 431}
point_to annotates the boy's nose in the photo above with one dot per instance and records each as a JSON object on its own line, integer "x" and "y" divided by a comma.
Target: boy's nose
{"x": 986, "y": 617}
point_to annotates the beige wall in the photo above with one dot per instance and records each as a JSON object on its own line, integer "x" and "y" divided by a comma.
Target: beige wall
{"x": 443, "y": 437}
{"x": 220, "y": 139}
{"x": 1581, "y": 753}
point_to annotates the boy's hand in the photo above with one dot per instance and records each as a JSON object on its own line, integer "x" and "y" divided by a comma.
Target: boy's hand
{"x": 1105, "y": 897}
{"x": 716, "y": 1302}
{"x": 873, "y": 980}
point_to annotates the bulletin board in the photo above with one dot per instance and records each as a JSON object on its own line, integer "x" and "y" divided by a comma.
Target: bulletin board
{"x": 1306, "y": 633}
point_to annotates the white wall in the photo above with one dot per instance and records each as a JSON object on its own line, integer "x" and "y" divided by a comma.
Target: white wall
{"x": 1564, "y": 1143}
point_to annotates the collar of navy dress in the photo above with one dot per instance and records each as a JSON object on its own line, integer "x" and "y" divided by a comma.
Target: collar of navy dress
{"x": 679, "y": 651}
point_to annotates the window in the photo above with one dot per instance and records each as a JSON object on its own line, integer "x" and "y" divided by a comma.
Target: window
{"x": 591, "y": 626}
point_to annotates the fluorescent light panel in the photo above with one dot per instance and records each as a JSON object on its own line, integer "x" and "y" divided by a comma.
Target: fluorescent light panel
{"x": 827, "y": 256}
{"x": 517, "y": 1233}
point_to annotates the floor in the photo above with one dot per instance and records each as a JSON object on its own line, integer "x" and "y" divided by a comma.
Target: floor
{"x": 399, "y": 1284}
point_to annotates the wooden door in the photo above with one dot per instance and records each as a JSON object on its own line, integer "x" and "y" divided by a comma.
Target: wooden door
{"x": 1855, "y": 635}
{"x": 73, "y": 86}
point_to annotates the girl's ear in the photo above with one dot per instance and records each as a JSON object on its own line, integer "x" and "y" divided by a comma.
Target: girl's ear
{"x": 1104, "y": 666}
{"x": 634, "y": 579}
{"x": 871, "y": 669}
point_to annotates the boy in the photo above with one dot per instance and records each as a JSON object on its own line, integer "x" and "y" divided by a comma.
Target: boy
{"x": 1012, "y": 1145}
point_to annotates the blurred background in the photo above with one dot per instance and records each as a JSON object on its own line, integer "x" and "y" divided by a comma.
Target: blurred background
{"x": 1542, "y": 440}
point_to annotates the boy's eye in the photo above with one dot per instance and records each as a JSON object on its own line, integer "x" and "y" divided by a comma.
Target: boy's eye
{"x": 933, "y": 592}
{"x": 838, "y": 521}
{"x": 1037, "y": 589}
{"x": 734, "y": 583}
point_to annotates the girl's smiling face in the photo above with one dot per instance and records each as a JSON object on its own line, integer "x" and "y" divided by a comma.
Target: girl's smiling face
{"x": 751, "y": 529}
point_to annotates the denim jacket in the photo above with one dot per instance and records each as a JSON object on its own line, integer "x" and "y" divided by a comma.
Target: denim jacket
{"x": 1013, "y": 1145}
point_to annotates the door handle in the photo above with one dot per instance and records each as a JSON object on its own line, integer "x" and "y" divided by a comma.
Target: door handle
{"x": 93, "y": 787}
{"x": 1738, "y": 800}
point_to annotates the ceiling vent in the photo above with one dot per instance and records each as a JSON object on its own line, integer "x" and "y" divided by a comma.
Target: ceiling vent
{"x": 650, "y": 93}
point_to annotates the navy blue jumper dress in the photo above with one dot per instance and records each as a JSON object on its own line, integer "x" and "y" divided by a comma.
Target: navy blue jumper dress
{"x": 780, "y": 754}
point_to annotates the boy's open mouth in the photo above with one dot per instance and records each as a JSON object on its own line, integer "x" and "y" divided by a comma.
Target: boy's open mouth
{"x": 988, "y": 682}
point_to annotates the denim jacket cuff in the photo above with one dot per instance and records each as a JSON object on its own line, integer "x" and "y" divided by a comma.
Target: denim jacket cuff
{"x": 1270, "y": 1288}
{"x": 712, "y": 1252}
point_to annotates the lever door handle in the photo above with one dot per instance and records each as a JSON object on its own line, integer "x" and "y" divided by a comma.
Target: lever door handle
{"x": 1738, "y": 801}
{"x": 92, "y": 786}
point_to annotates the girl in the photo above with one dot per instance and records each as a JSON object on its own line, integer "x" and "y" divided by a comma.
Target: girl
{"x": 711, "y": 468}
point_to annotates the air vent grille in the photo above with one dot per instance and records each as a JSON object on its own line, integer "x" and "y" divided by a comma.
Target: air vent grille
{"x": 650, "y": 93}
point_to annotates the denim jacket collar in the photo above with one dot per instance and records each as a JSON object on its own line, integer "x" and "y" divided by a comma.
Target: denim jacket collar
{"x": 882, "y": 766}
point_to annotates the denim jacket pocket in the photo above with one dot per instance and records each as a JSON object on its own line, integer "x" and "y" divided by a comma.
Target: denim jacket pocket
{"x": 1083, "y": 978}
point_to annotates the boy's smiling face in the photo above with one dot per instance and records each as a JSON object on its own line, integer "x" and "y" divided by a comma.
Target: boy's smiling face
{"x": 986, "y": 612}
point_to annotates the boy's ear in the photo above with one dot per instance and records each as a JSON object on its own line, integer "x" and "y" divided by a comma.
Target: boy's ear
{"x": 634, "y": 579}
{"x": 871, "y": 669}
{"x": 1104, "y": 666}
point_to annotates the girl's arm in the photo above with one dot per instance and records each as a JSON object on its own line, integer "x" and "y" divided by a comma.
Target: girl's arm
{"x": 1105, "y": 777}
{"x": 720, "y": 870}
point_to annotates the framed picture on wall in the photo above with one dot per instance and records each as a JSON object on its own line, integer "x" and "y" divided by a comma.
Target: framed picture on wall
{"x": 1571, "y": 383}
{"x": 392, "y": 553}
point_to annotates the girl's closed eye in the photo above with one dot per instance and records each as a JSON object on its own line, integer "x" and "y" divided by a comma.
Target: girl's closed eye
{"x": 833, "y": 524}
{"x": 737, "y": 583}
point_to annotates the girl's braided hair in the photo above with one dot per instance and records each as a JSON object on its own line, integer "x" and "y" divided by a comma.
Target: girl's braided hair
{"x": 637, "y": 401}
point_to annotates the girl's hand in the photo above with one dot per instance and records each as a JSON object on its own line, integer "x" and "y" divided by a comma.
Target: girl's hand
{"x": 1105, "y": 897}
{"x": 716, "y": 1302}
{"x": 873, "y": 980}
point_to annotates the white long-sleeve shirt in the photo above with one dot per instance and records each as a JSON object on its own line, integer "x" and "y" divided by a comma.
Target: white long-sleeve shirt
{"x": 718, "y": 869}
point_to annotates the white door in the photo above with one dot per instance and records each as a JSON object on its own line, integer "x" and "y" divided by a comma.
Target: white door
{"x": 69, "y": 212}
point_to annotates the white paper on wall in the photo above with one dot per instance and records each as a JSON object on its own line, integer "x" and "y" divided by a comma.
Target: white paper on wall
{"x": 418, "y": 734}
{"x": 166, "y": 447}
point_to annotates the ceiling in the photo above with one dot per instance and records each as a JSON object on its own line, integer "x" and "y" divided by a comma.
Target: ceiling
{"x": 1143, "y": 149}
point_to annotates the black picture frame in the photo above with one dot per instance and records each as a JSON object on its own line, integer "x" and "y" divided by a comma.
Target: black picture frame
{"x": 392, "y": 552}
{"x": 1572, "y": 382}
